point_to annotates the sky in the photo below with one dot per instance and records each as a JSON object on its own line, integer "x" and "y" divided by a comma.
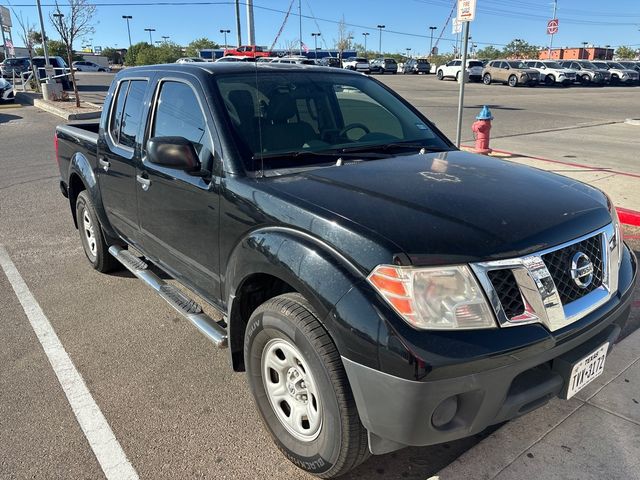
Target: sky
{"x": 407, "y": 22}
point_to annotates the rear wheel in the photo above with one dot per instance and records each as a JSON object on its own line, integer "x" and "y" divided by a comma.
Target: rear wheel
{"x": 300, "y": 388}
{"x": 93, "y": 242}
{"x": 486, "y": 79}
{"x": 513, "y": 81}
{"x": 440, "y": 75}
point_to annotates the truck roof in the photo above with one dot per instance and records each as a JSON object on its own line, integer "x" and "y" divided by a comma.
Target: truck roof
{"x": 232, "y": 67}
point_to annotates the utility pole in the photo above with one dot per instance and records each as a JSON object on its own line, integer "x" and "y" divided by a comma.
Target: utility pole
{"x": 555, "y": 9}
{"x": 238, "y": 30}
{"x": 300, "y": 23}
{"x": 47, "y": 65}
{"x": 380, "y": 27}
{"x": 251, "y": 31}
{"x": 127, "y": 18}
{"x": 315, "y": 43}
{"x": 431, "y": 41}
{"x": 365, "y": 35}
{"x": 463, "y": 78}
{"x": 150, "y": 37}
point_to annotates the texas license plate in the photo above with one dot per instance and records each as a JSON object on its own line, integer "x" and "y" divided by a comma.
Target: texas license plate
{"x": 587, "y": 369}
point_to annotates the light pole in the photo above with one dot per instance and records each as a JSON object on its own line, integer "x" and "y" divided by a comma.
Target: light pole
{"x": 225, "y": 36}
{"x": 150, "y": 37}
{"x": 408, "y": 49}
{"x": 584, "y": 50}
{"x": 380, "y": 27}
{"x": 127, "y": 18}
{"x": 606, "y": 52}
{"x": 431, "y": 41}
{"x": 165, "y": 38}
{"x": 315, "y": 36}
{"x": 47, "y": 65}
{"x": 365, "y": 35}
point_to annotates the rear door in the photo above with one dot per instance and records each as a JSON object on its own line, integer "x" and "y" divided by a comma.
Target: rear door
{"x": 118, "y": 154}
{"x": 179, "y": 212}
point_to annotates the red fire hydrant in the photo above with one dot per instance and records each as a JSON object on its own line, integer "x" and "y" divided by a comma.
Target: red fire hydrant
{"x": 482, "y": 131}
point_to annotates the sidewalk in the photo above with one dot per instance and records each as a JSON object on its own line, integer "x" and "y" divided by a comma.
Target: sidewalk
{"x": 594, "y": 435}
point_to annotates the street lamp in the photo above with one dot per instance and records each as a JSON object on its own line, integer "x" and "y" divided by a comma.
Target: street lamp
{"x": 431, "y": 41}
{"x": 584, "y": 47}
{"x": 165, "y": 38}
{"x": 365, "y": 35}
{"x": 225, "y": 36}
{"x": 380, "y": 27}
{"x": 127, "y": 18}
{"x": 408, "y": 49}
{"x": 606, "y": 53}
{"x": 315, "y": 41}
{"x": 150, "y": 37}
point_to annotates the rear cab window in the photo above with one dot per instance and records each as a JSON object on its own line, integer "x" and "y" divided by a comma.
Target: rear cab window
{"x": 126, "y": 112}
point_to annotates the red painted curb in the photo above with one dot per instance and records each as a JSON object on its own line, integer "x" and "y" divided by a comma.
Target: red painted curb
{"x": 628, "y": 217}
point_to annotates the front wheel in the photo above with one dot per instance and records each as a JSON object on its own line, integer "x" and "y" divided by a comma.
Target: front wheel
{"x": 486, "y": 79}
{"x": 585, "y": 79}
{"x": 440, "y": 75}
{"x": 513, "y": 81}
{"x": 93, "y": 242}
{"x": 301, "y": 389}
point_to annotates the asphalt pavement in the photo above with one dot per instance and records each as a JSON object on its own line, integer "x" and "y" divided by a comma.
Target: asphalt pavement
{"x": 169, "y": 397}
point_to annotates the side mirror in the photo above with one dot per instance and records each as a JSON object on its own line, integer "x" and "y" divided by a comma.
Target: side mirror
{"x": 173, "y": 152}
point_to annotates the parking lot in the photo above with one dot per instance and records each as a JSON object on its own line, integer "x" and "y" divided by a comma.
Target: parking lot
{"x": 169, "y": 397}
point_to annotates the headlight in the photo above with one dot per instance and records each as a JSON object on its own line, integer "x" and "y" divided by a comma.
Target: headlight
{"x": 435, "y": 298}
{"x": 615, "y": 242}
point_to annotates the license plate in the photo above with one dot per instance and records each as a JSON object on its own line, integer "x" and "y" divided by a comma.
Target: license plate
{"x": 586, "y": 370}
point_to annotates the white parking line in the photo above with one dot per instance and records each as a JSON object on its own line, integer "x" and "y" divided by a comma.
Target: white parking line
{"x": 105, "y": 446}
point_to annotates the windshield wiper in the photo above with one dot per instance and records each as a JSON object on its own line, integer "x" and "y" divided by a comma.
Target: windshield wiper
{"x": 332, "y": 153}
{"x": 387, "y": 146}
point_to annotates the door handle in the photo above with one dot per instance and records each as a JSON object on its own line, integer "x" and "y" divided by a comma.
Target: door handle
{"x": 145, "y": 182}
{"x": 104, "y": 164}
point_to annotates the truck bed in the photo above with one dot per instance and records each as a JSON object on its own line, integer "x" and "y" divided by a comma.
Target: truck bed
{"x": 76, "y": 139}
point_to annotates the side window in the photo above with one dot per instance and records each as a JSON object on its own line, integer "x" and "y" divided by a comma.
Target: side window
{"x": 116, "y": 112}
{"x": 132, "y": 114}
{"x": 178, "y": 113}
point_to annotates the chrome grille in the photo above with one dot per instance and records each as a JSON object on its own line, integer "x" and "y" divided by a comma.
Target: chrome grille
{"x": 508, "y": 292}
{"x": 559, "y": 265}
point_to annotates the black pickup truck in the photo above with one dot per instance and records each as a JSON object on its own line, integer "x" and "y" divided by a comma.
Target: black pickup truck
{"x": 379, "y": 287}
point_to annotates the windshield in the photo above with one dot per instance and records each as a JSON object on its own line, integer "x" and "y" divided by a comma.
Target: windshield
{"x": 588, "y": 65}
{"x": 630, "y": 65}
{"x": 552, "y": 64}
{"x": 423, "y": 62}
{"x": 518, "y": 65}
{"x": 294, "y": 119}
{"x": 616, "y": 65}
{"x": 474, "y": 63}
{"x": 601, "y": 65}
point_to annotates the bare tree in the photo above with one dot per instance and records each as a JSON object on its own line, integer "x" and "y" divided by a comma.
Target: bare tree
{"x": 344, "y": 37}
{"x": 76, "y": 22}
{"x": 28, "y": 36}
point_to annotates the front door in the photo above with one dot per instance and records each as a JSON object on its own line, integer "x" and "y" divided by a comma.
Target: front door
{"x": 116, "y": 168}
{"x": 178, "y": 211}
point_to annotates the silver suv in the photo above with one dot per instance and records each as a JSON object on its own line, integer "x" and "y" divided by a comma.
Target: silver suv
{"x": 619, "y": 74}
{"x": 552, "y": 72}
{"x": 587, "y": 72}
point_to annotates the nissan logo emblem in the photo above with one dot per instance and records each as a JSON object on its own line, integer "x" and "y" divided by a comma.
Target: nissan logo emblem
{"x": 581, "y": 270}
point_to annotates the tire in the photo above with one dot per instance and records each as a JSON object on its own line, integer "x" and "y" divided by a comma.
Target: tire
{"x": 93, "y": 242}
{"x": 614, "y": 80}
{"x": 458, "y": 77}
{"x": 549, "y": 79}
{"x": 585, "y": 80}
{"x": 513, "y": 81}
{"x": 486, "y": 79}
{"x": 440, "y": 75}
{"x": 286, "y": 345}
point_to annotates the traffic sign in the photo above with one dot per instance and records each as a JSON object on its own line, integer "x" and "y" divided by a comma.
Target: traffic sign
{"x": 456, "y": 26}
{"x": 466, "y": 10}
{"x": 552, "y": 26}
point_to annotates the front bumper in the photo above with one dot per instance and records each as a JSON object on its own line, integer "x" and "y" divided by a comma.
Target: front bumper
{"x": 399, "y": 412}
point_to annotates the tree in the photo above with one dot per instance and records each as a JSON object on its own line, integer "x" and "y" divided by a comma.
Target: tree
{"x": 74, "y": 23}
{"x": 133, "y": 52}
{"x": 27, "y": 31}
{"x": 626, "y": 53}
{"x": 167, "y": 52}
{"x": 56, "y": 48}
{"x": 441, "y": 59}
{"x": 200, "y": 44}
{"x": 112, "y": 54}
{"x": 344, "y": 37}
{"x": 359, "y": 48}
{"x": 490, "y": 53}
{"x": 518, "y": 48}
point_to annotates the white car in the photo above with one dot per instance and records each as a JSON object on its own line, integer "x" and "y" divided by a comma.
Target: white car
{"x": 294, "y": 60}
{"x": 6, "y": 91}
{"x": 234, "y": 58}
{"x": 359, "y": 64}
{"x": 190, "y": 60}
{"x": 552, "y": 72}
{"x": 453, "y": 68}
{"x": 82, "y": 66}
{"x": 619, "y": 74}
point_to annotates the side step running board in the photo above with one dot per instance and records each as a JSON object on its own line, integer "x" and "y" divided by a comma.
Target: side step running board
{"x": 174, "y": 297}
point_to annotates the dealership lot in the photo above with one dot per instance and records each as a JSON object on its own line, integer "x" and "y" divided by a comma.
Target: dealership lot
{"x": 172, "y": 402}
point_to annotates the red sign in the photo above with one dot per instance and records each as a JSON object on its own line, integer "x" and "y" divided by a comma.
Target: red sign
{"x": 552, "y": 26}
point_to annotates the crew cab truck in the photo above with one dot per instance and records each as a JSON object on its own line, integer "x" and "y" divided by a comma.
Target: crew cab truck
{"x": 380, "y": 288}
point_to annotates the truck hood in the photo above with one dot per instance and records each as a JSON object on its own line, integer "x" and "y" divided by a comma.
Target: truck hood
{"x": 449, "y": 207}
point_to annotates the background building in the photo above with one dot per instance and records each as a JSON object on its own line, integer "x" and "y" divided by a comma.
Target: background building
{"x": 578, "y": 53}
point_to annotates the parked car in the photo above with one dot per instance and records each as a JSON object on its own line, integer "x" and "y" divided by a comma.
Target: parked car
{"x": 511, "y": 72}
{"x": 552, "y": 72}
{"x": 234, "y": 58}
{"x": 60, "y": 70}
{"x": 84, "y": 66}
{"x": 358, "y": 64}
{"x": 587, "y": 72}
{"x": 15, "y": 66}
{"x": 252, "y": 51}
{"x": 619, "y": 74}
{"x": 331, "y": 62}
{"x": 191, "y": 60}
{"x": 294, "y": 60}
{"x": 383, "y": 65}
{"x": 416, "y": 66}
{"x": 6, "y": 91}
{"x": 380, "y": 287}
{"x": 453, "y": 68}
{"x": 631, "y": 65}
{"x": 266, "y": 59}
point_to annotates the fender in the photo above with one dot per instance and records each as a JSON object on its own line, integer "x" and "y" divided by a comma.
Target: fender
{"x": 81, "y": 167}
{"x": 314, "y": 269}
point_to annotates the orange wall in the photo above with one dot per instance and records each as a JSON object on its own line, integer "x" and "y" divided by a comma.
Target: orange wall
{"x": 588, "y": 53}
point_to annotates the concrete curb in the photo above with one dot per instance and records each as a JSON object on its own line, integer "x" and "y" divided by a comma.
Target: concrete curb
{"x": 49, "y": 107}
